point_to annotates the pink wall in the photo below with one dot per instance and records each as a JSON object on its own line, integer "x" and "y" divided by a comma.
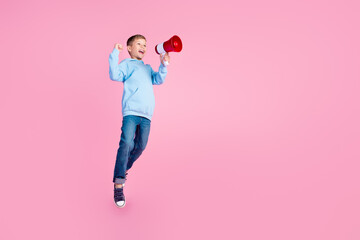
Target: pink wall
{"x": 255, "y": 133}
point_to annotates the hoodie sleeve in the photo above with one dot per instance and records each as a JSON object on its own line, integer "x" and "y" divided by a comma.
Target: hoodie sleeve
{"x": 117, "y": 72}
{"x": 159, "y": 77}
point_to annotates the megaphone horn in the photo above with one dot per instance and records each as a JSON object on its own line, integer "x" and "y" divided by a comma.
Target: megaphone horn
{"x": 174, "y": 44}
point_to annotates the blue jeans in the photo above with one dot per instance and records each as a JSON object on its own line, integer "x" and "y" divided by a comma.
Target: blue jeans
{"x": 134, "y": 137}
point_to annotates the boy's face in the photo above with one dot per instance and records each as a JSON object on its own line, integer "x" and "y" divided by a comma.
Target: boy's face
{"x": 137, "y": 49}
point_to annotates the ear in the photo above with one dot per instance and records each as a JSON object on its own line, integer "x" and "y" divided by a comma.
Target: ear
{"x": 129, "y": 48}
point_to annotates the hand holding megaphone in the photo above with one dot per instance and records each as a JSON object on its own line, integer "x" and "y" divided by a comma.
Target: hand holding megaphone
{"x": 165, "y": 59}
{"x": 174, "y": 44}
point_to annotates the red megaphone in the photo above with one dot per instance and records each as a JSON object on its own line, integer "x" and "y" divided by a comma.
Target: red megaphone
{"x": 174, "y": 44}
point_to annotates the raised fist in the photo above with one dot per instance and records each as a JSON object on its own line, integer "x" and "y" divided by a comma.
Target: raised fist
{"x": 118, "y": 46}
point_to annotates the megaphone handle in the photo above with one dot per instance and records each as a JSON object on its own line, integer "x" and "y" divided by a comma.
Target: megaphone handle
{"x": 166, "y": 63}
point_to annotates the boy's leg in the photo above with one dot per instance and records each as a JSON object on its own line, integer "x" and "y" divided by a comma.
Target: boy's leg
{"x": 125, "y": 146}
{"x": 137, "y": 136}
{"x": 141, "y": 139}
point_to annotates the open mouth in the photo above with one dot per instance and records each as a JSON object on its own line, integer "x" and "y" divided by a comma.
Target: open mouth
{"x": 142, "y": 52}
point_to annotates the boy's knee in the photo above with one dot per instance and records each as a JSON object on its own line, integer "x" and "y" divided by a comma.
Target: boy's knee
{"x": 139, "y": 149}
{"x": 126, "y": 144}
{"x": 142, "y": 147}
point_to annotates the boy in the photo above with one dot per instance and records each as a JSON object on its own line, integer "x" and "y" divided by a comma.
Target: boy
{"x": 138, "y": 102}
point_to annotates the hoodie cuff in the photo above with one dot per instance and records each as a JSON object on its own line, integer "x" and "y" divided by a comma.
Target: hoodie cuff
{"x": 162, "y": 66}
{"x": 115, "y": 51}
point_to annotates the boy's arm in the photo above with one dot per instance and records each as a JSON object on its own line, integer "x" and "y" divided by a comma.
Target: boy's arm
{"x": 159, "y": 77}
{"x": 117, "y": 71}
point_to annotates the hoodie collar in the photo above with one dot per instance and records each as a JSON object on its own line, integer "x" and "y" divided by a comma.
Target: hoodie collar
{"x": 132, "y": 59}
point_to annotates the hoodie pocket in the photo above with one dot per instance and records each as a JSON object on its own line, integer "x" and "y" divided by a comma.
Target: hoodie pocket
{"x": 131, "y": 100}
{"x": 132, "y": 94}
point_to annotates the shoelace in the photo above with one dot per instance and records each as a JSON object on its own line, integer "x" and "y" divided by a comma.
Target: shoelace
{"x": 119, "y": 194}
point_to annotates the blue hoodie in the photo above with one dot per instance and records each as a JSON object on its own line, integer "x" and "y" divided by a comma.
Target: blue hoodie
{"x": 138, "y": 96}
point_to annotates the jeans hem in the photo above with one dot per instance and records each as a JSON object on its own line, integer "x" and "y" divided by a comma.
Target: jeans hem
{"x": 119, "y": 180}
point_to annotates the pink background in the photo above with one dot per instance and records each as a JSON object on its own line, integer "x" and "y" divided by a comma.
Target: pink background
{"x": 255, "y": 133}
